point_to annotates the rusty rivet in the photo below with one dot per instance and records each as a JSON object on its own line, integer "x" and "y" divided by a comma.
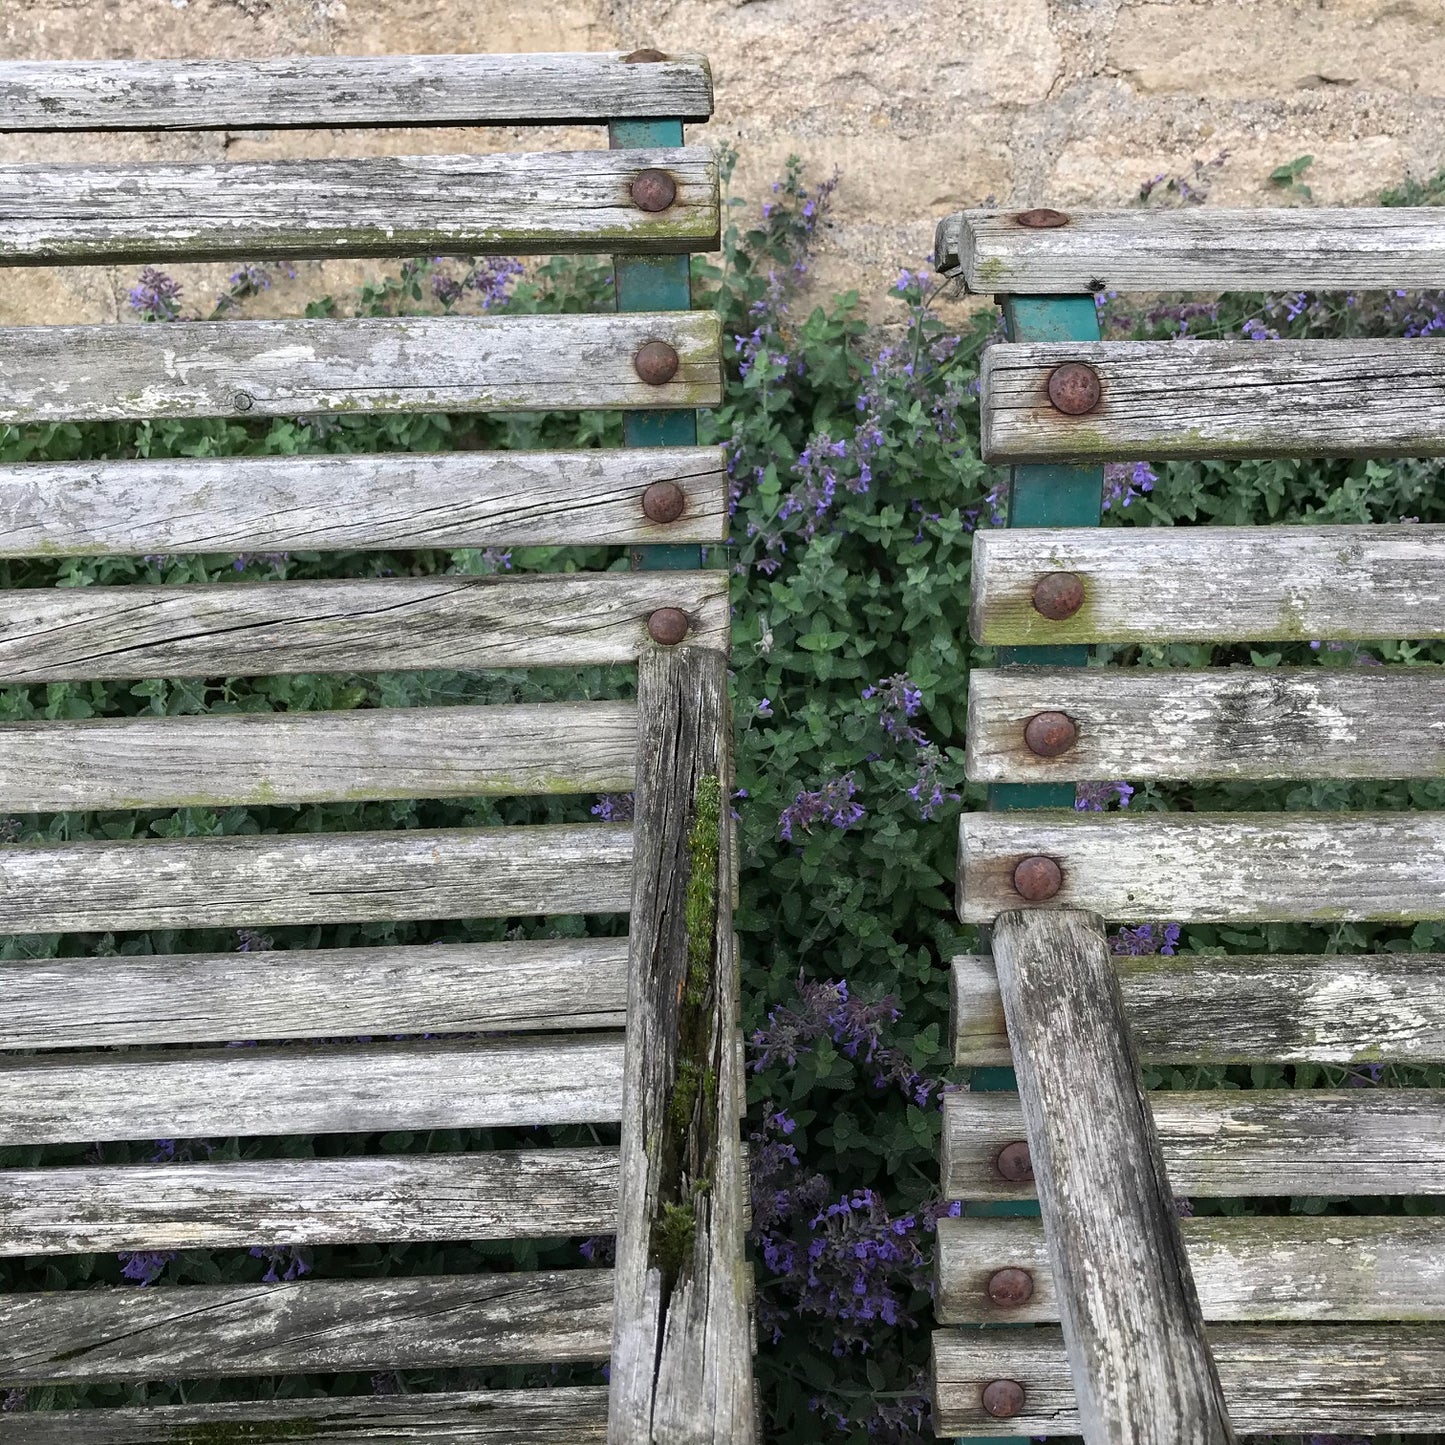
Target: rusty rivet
{"x": 668, "y": 625}
{"x": 653, "y": 190}
{"x": 1010, "y": 1286}
{"x": 1003, "y": 1399}
{"x": 656, "y": 363}
{"x": 663, "y": 502}
{"x": 1013, "y": 1163}
{"x": 1042, "y": 218}
{"x": 1038, "y": 878}
{"x": 646, "y": 56}
{"x": 243, "y": 401}
{"x": 1074, "y": 388}
{"x": 1050, "y": 734}
{"x": 1058, "y": 595}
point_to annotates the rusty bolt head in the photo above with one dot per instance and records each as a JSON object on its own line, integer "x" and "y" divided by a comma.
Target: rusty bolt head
{"x": 1042, "y": 218}
{"x": 668, "y": 625}
{"x": 1037, "y": 879}
{"x": 653, "y": 190}
{"x": 646, "y": 56}
{"x": 1074, "y": 388}
{"x": 1012, "y": 1162}
{"x": 1058, "y": 595}
{"x": 1003, "y": 1399}
{"x": 1010, "y": 1286}
{"x": 656, "y": 363}
{"x": 664, "y": 502}
{"x": 1050, "y": 734}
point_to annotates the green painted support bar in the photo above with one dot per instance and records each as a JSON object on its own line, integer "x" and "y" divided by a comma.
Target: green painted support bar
{"x": 655, "y": 283}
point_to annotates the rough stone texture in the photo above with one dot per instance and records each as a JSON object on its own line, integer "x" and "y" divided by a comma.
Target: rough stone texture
{"x": 923, "y": 105}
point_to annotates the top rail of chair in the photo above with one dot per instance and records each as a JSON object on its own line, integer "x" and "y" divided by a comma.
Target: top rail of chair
{"x": 330, "y": 92}
{"x": 1045, "y": 252}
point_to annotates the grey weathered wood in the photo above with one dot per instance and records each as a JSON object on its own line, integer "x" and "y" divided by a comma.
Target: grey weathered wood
{"x": 1247, "y": 1143}
{"x": 1181, "y": 399}
{"x": 1143, "y": 723}
{"x": 1246, "y": 1009}
{"x": 1276, "y": 1378}
{"x": 375, "y": 1198}
{"x": 254, "y": 881}
{"x": 389, "y": 623}
{"x": 256, "y": 759}
{"x": 334, "y": 91}
{"x": 561, "y": 985}
{"x": 375, "y": 364}
{"x": 1277, "y": 1267}
{"x": 1212, "y": 867}
{"x": 330, "y": 503}
{"x": 194, "y": 1332}
{"x": 508, "y": 203}
{"x": 682, "y": 1349}
{"x": 1132, "y": 1324}
{"x": 1214, "y": 584}
{"x": 325, "y": 1089}
{"x": 571, "y": 1416}
{"x": 1197, "y": 249}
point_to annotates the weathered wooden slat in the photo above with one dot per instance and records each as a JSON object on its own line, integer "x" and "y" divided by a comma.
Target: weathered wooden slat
{"x": 508, "y": 203}
{"x": 1182, "y": 399}
{"x": 1214, "y": 584}
{"x": 1280, "y": 1267}
{"x": 330, "y": 503}
{"x": 402, "y": 1198}
{"x": 343, "y": 1088}
{"x": 1144, "y": 723}
{"x": 253, "y": 881}
{"x": 389, "y": 623}
{"x": 562, "y": 986}
{"x": 572, "y": 1416}
{"x": 196, "y": 1332}
{"x": 1211, "y": 867}
{"x": 1276, "y": 1378}
{"x": 682, "y": 1347}
{"x": 1225, "y": 1143}
{"x": 1132, "y": 1325}
{"x": 1384, "y": 1008}
{"x": 375, "y": 364}
{"x": 254, "y": 759}
{"x": 1197, "y": 249}
{"x": 336, "y": 91}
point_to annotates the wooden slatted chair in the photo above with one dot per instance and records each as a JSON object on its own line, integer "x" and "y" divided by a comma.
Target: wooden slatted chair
{"x": 1130, "y": 1325}
{"x": 125, "y": 1048}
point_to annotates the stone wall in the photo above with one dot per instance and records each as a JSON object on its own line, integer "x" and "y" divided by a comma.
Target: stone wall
{"x": 921, "y": 105}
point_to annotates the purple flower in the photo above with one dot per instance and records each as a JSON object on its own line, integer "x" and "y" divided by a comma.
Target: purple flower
{"x": 765, "y": 708}
{"x": 1145, "y": 939}
{"x": 898, "y": 700}
{"x": 928, "y": 791}
{"x": 1124, "y": 481}
{"x": 156, "y": 296}
{"x": 145, "y": 1267}
{"x": 283, "y": 1263}
{"x": 832, "y": 803}
{"x": 1096, "y": 797}
{"x": 614, "y": 807}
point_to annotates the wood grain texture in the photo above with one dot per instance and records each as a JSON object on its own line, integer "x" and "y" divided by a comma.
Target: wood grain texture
{"x": 1226, "y": 1143}
{"x": 682, "y": 1342}
{"x": 1276, "y": 1378}
{"x": 511, "y": 204}
{"x": 1132, "y": 1325}
{"x": 1281, "y": 1267}
{"x": 536, "y": 1194}
{"x": 217, "y": 629}
{"x": 1212, "y": 867}
{"x": 341, "y": 503}
{"x": 324, "y": 1089}
{"x": 1181, "y": 399}
{"x": 1197, "y": 249}
{"x": 1214, "y": 584}
{"x": 573, "y": 1416}
{"x": 271, "y": 879}
{"x": 375, "y": 364}
{"x": 561, "y": 986}
{"x": 1230, "y": 723}
{"x": 1384, "y": 1008}
{"x": 336, "y": 91}
{"x": 200, "y": 1331}
{"x": 258, "y": 759}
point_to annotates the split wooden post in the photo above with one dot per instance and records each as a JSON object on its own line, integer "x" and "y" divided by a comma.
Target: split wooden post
{"x": 1142, "y": 1371}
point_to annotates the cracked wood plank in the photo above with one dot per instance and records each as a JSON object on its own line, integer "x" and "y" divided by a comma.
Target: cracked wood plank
{"x": 1175, "y": 400}
{"x": 367, "y": 365}
{"x": 340, "y": 503}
